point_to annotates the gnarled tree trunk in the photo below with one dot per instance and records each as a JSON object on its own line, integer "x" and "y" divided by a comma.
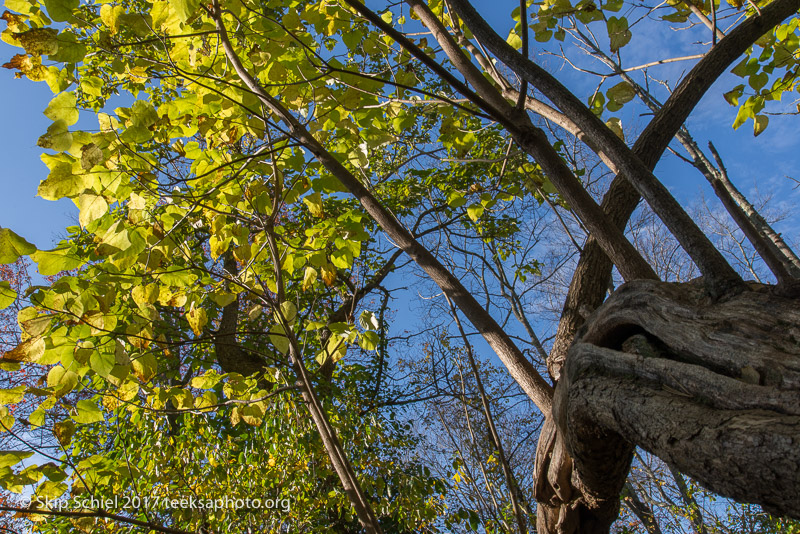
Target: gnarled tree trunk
{"x": 712, "y": 388}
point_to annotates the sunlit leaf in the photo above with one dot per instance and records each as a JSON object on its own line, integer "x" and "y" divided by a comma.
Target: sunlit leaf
{"x": 13, "y": 247}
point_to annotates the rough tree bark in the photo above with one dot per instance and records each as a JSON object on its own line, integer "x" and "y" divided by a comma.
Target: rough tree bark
{"x": 712, "y": 388}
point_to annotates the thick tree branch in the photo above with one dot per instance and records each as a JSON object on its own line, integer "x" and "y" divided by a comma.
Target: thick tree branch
{"x": 780, "y": 259}
{"x": 231, "y": 357}
{"x": 533, "y": 141}
{"x": 712, "y": 388}
{"x": 593, "y": 273}
{"x": 719, "y": 275}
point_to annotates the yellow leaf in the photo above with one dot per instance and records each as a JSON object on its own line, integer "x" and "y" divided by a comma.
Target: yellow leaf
{"x": 110, "y": 15}
{"x": 328, "y": 274}
{"x": 615, "y": 125}
{"x": 514, "y": 40}
{"x": 63, "y": 430}
{"x": 145, "y": 296}
{"x": 309, "y": 278}
{"x": 197, "y": 320}
{"x": 63, "y": 106}
{"x": 92, "y": 208}
{"x": 144, "y": 366}
{"x": 314, "y": 203}
{"x": 29, "y": 350}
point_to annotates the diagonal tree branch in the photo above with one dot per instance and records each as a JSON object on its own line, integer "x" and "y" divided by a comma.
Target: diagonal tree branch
{"x": 593, "y": 273}
{"x": 530, "y": 138}
{"x": 720, "y": 276}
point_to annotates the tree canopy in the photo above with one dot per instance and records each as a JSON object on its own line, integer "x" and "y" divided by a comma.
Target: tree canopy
{"x": 262, "y": 184}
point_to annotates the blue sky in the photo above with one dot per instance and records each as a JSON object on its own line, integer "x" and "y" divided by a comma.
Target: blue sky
{"x": 39, "y": 221}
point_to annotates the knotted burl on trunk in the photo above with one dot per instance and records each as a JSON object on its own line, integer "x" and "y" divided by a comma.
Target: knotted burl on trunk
{"x": 711, "y": 387}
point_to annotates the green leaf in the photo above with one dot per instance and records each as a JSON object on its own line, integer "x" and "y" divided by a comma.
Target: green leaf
{"x": 61, "y": 10}
{"x": 368, "y": 320}
{"x": 87, "y": 412}
{"x": 36, "y": 419}
{"x": 110, "y": 15}
{"x": 456, "y": 199}
{"x": 615, "y": 125}
{"x": 61, "y": 183}
{"x": 732, "y": 96}
{"x": 279, "y": 339}
{"x": 69, "y": 51}
{"x": 618, "y": 32}
{"x": 52, "y": 262}
{"x": 144, "y": 366}
{"x": 342, "y": 258}
{"x": 369, "y": 340}
{"x": 758, "y": 81}
{"x": 20, "y": 6}
{"x": 252, "y": 415}
{"x": 6, "y": 419}
{"x": 746, "y": 67}
{"x": 9, "y": 458}
{"x": 223, "y": 299}
{"x": 12, "y": 395}
{"x": 12, "y": 246}
{"x": 748, "y": 110}
{"x": 61, "y": 380}
{"x": 514, "y": 40}
{"x": 102, "y": 363}
{"x": 65, "y": 107}
{"x": 7, "y": 295}
{"x": 206, "y": 381}
{"x": 53, "y": 472}
{"x": 143, "y": 113}
{"x": 596, "y": 103}
{"x": 51, "y": 490}
{"x": 57, "y": 79}
{"x": 289, "y": 311}
{"x": 475, "y": 211}
{"x": 58, "y": 137}
{"x": 136, "y": 134}
{"x": 619, "y": 95}
{"x": 92, "y": 207}
{"x": 184, "y": 8}
{"x": 760, "y": 123}
{"x": 182, "y": 399}
{"x": 335, "y": 350}
{"x": 208, "y": 399}
{"x": 314, "y": 203}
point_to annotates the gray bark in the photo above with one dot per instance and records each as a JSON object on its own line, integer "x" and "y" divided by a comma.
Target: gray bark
{"x": 711, "y": 388}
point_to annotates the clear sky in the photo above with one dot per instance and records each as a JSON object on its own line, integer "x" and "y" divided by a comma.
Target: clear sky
{"x": 39, "y": 221}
